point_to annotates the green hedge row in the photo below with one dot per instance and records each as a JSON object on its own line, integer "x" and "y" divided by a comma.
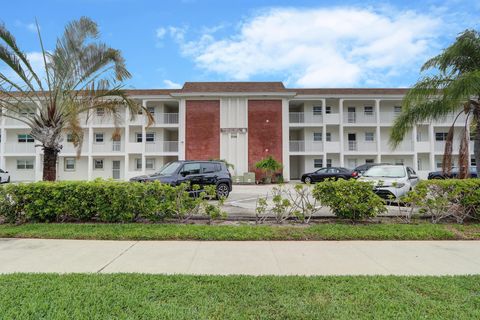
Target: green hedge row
{"x": 104, "y": 201}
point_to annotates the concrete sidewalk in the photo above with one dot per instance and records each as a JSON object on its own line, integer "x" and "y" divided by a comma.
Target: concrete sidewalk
{"x": 248, "y": 257}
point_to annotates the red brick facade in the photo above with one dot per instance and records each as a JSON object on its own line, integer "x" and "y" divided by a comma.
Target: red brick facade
{"x": 264, "y": 131}
{"x": 202, "y": 130}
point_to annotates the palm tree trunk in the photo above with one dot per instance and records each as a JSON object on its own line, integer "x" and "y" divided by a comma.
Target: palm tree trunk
{"x": 50, "y": 164}
{"x": 476, "y": 146}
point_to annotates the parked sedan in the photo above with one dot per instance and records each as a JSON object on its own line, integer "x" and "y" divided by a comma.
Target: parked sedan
{"x": 4, "y": 176}
{"x": 453, "y": 174}
{"x": 328, "y": 173}
{"x": 391, "y": 181}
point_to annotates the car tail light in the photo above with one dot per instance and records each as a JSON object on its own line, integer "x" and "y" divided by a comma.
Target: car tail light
{"x": 354, "y": 174}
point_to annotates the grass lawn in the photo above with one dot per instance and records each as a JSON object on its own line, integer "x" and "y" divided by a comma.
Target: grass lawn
{"x": 136, "y": 296}
{"x": 327, "y": 231}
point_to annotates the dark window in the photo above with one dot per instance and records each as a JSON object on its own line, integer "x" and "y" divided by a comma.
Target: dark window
{"x": 317, "y": 136}
{"x": 210, "y": 167}
{"x": 25, "y": 138}
{"x": 369, "y": 161}
{"x": 317, "y": 163}
{"x": 191, "y": 168}
{"x": 328, "y": 109}
{"x": 368, "y": 110}
{"x": 441, "y": 136}
{"x": 329, "y": 163}
{"x": 317, "y": 110}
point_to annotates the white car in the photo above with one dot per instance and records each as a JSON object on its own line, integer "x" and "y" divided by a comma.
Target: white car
{"x": 4, "y": 176}
{"x": 391, "y": 181}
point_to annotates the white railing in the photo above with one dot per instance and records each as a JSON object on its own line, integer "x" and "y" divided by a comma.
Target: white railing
{"x": 14, "y": 122}
{"x": 114, "y": 146}
{"x": 21, "y": 147}
{"x": 166, "y": 118}
{"x": 302, "y": 117}
{"x": 361, "y": 146}
{"x": 440, "y": 146}
{"x": 406, "y": 145}
{"x": 305, "y": 146}
{"x": 162, "y": 146}
{"x": 107, "y": 119}
{"x": 68, "y": 147}
{"x": 359, "y": 117}
{"x": 388, "y": 117}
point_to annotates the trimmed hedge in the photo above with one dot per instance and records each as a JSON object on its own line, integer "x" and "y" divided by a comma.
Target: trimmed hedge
{"x": 349, "y": 199}
{"x": 99, "y": 200}
{"x": 451, "y": 198}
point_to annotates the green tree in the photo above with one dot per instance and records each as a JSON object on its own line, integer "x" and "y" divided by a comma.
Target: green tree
{"x": 451, "y": 85}
{"x": 80, "y": 75}
{"x": 269, "y": 166}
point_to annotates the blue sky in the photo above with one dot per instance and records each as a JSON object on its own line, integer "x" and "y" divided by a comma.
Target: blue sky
{"x": 302, "y": 43}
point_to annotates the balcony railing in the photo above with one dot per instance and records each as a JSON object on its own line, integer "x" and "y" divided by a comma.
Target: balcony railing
{"x": 23, "y": 147}
{"x": 388, "y": 117}
{"x": 162, "y": 146}
{"x": 440, "y": 146}
{"x": 306, "y": 146}
{"x": 114, "y": 146}
{"x": 302, "y": 117}
{"x": 361, "y": 146}
{"x": 166, "y": 118}
{"x": 359, "y": 117}
{"x": 406, "y": 145}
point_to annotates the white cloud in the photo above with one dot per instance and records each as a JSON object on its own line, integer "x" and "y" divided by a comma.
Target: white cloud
{"x": 32, "y": 27}
{"x": 171, "y": 85}
{"x": 38, "y": 66}
{"x": 318, "y": 47}
{"x": 161, "y": 32}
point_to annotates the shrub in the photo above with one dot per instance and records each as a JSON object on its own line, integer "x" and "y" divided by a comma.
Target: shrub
{"x": 349, "y": 199}
{"x": 269, "y": 166}
{"x": 105, "y": 201}
{"x": 441, "y": 199}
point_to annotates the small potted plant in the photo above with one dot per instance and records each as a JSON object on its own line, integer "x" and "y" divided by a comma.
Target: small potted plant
{"x": 269, "y": 166}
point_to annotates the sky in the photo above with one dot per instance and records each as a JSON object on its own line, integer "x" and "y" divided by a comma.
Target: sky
{"x": 303, "y": 43}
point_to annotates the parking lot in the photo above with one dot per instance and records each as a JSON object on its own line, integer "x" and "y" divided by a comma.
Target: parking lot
{"x": 242, "y": 201}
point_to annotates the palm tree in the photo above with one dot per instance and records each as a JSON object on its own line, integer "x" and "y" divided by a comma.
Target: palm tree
{"x": 452, "y": 87}
{"x": 80, "y": 75}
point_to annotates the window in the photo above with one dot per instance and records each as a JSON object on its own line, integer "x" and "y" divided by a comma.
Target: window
{"x": 329, "y": 163}
{"x": 368, "y": 110}
{"x": 369, "y": 136}
{"x": 69, "y": 164}
{"x": 150, "y": 137}
{"x": 328, "y": 109}
{"x": 98, "y": 164}
{"x": 317, "y": 136}
{"x": 138, "y": 164}
{"x": 369, "y": 161}
{"x": 23, "y": 138}
{"x": 473, "y": 162}
{"x": 411, "y": 172}
{"x": 397, "y": 109}
{"x": 317, "y": 110}
{"x": 210, "y": 167}
{"x": 69, "y": 137}
{"x": 333, "y": 170}
{"x": 399, "y": 162}
{"x": 24, "y": 164}
{"x": 151, "y": 110}
{"x": 98, "y": 137}
{"x": 439, "y": 164}
{"x": 138, "y": 137}
{"x": 191, "y": 168}
{"x": 149, "y": 163}
{"x": 100, "y": 112}
{"x": 441, "y": 136}
{"x": 233, "y": 135}
{"x": 317, "y": 163}
{"x": 328, "y": 136}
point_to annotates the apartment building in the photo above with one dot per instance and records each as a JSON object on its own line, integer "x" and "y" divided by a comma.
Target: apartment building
{"x": 241, "y": 122}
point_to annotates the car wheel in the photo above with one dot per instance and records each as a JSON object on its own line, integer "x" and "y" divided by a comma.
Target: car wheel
{"x": 222, "y": 191}
{"x": 308, "y": 180}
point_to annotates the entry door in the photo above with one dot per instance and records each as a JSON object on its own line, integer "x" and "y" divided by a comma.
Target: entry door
{"x": 116, "y": 169}
{"x": 351, "y": 115}
{"x": 352, "y": 141}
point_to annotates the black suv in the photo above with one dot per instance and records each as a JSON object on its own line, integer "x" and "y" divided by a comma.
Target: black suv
{"x": 199, "y": 173}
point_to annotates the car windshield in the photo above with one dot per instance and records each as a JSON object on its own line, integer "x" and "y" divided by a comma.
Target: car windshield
{"x": 169, "y": 169}
{"x": 385, "y": 172}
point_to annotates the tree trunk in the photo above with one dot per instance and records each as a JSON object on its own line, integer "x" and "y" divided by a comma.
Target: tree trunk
{"x": 50, "y": 164}
{"x": 476, "y": 146}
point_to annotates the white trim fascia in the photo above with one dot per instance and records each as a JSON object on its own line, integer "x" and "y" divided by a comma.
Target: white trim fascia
{"x": 233, "y": 94}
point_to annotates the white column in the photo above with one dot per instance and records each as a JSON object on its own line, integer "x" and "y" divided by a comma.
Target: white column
{"x": 3, "y": 134}
{"x": 89, "y": 154}
{"x": 414, "y": 145}
{"x": 324, "y": 133}
{"x": 126, "y": 143}
{"x": 340, "y": 106}
{"x": 144, "y": 103}
{"x": 285, "y": 140}
{"x": 378, "y": 132}
{"x": 431, "y": 138}
{"x": 38, "y": 156}
{"x": 182, "y": 128}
